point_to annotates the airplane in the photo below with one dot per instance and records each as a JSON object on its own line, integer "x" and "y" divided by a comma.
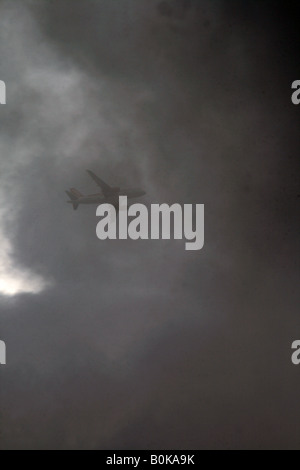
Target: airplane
{"x": 108, "y": 195}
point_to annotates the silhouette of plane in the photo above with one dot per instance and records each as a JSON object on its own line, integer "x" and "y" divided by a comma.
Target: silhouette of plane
{"x": 108, "y": 195}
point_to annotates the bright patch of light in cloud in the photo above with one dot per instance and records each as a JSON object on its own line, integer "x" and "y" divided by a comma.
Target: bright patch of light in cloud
{"x": 15, "y": 280}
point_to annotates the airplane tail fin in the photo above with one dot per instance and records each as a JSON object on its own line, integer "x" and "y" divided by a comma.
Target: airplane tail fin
{"x": 73, "y": 199}
{"x": 76, "y": 193}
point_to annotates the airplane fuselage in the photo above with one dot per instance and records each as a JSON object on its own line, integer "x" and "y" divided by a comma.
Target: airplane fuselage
{"x": 108, "y": 195}
{"x": 112, "y": 199}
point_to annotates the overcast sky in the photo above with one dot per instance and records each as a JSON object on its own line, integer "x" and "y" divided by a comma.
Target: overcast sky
{"x": 141, "y": 344}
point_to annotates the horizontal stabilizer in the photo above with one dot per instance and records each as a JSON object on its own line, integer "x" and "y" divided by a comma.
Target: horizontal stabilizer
{"x": 76, "y": 193}
{"x": 73, "y": 200}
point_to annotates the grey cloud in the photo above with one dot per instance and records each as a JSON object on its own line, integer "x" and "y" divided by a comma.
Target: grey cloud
{"x": 141, "y": 344}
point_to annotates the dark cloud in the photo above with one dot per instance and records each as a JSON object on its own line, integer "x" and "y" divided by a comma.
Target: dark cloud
{"x": 176, "y": 9}
{"x": 141, "y": 344}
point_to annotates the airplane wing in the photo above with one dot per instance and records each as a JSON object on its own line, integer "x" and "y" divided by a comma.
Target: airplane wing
{"x": 106, "y": 189}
